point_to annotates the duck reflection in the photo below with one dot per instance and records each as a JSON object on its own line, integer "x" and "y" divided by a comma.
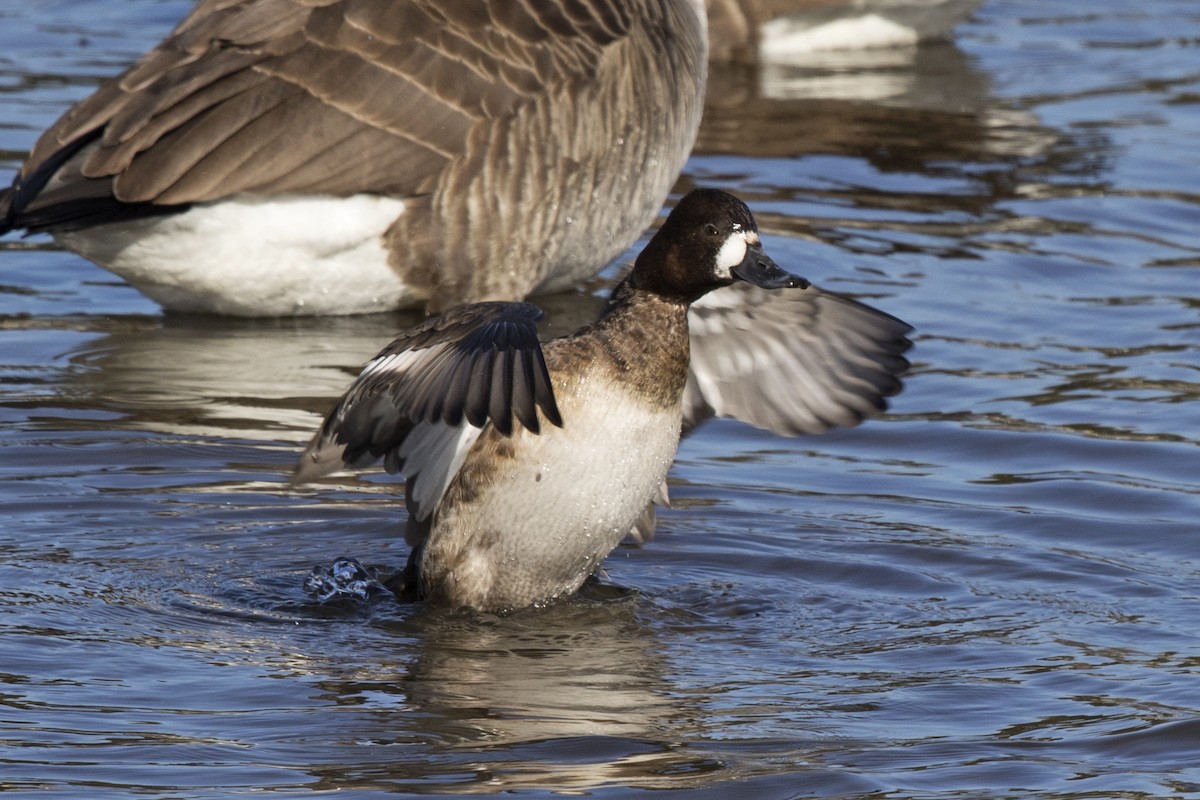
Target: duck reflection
{"x": 573, "y": 696}
{"x": 580, "y": 668}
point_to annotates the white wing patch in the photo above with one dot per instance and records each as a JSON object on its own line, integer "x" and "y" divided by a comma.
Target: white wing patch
{"x": 433, "y": 454}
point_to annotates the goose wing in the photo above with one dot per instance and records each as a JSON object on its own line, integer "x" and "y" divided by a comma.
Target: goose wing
{"x": 422, "y": 402}
{"x": 330, "y": 97}
{"x": 792, "y": 361}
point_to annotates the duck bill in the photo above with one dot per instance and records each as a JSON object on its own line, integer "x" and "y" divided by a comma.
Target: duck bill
{"x": 758, "y": 268}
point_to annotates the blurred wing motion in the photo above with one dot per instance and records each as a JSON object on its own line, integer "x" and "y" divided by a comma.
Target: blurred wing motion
{"x": 423, "y": 401}
{"x": 791, "y": 362}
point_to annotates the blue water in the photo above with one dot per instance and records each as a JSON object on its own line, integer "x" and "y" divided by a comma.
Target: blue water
{"x": 992, "y": 591}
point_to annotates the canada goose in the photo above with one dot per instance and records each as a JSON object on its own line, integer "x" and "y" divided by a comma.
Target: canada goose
{"x": 278, "y": 157}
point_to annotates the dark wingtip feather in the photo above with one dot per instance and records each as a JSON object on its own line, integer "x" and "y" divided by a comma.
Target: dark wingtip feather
{"x": 475, "y": 406}
{"x": 5, "y": 210}
{"x": 543, "y": 391}
{"x": 500, "y": 396}
{"x": 524, "y": 403}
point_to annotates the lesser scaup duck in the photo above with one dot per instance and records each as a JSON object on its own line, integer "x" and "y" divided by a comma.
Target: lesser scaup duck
{"x": 279, "y": 157}
{"x": 527, "y": 462}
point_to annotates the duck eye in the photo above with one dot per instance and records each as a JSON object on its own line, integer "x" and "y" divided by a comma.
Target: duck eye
{"x": 711, "y": 230}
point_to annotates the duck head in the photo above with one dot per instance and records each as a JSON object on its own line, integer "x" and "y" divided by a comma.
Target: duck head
{"x": 708, "y": 241}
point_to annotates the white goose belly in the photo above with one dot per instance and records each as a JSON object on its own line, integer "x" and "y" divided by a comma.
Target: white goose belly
{"x": 556, "y": 508}
{"x": 245, "y": 256}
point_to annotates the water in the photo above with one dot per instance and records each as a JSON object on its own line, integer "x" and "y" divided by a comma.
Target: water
{"x": 990, "y": 592}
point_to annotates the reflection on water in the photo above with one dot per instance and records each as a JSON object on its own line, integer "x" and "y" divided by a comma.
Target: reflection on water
{"x": 204, "y": 376}
{"x": 846, "y": 103}
{"x": 990, "y": 592}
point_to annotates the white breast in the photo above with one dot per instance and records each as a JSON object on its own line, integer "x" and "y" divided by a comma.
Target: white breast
{"x": 256, "y": 257}
{"x": 561, "y": 506}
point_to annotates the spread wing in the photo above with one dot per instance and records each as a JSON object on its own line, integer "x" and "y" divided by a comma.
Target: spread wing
{"x": 422, "y": 402}
{"x": 791, "y": 361}
{"x": 329, "y": 97}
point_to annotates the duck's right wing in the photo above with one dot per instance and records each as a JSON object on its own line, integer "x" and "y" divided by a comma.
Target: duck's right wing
{"x": 794, "y": 362}
{"x": 422, "y": 402}
{"x": 791, "y": 361}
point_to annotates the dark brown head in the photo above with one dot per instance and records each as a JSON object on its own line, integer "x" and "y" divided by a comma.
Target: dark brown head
{"x": 709, "y": 240}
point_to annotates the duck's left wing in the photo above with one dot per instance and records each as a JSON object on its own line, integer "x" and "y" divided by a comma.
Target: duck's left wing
{"x": 793, "y": 361}
{"x": 424, "y": 399}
